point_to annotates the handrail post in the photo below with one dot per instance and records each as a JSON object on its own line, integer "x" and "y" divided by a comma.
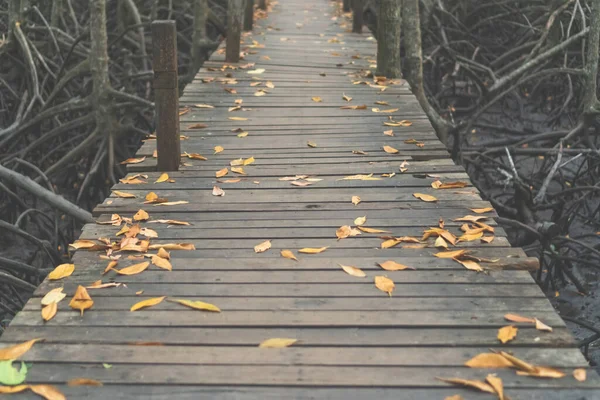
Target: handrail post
{"x": 389, "y": 21}
{"x": 346, "y": 6}
{"x": 166, "y": 94}
{"x": 249, "y": 15}
{"x": 235, "y": 11}
{"x": 357, "y": 15}
{"x": 262, "y": 4}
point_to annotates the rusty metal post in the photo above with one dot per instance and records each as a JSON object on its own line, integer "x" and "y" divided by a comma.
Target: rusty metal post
{"x": 166, "y": 94}
{"x": 357, "y": 15}
{"x": 235, "y": 13}
{"x": 249, "y": 15}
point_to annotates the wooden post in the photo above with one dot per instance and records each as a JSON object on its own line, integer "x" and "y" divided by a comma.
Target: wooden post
{"x": 262, "y": 4}
{"x": 235, "y": 12}
{"x": 166, "y": 95}
{"x": 357, "y": 16}
{"x": 389, "y": 21}
{"x": 249, "y": 15}
{"x": 346, "y": 6}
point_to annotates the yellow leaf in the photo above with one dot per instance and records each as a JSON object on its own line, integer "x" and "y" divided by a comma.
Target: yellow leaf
{"x": 262, "y": 247}
{"x": 217, "y": 191}
{"x": 487, "y": 239}
{"x": 310, "y": 250}
{"x": 269, "y": 84}
{"x": 238, "y": 170}
{"x": 53, "y": 296}
{"x": 371, "y": 230}
{"x": 343, "y": 232}
{"x": 482, "y": 210}
{"x": 162, "y": 262}
{"x": 360, "y": 221}
{"x": 242, "y": 134}
{"x": 540, "y": 326}
{"x": 48, "y": 392}
{"x": 248, "y": 161}
{"x": 522, "y": 365}
{"x": 110, "y": 266}
{"x": 440, "y": 242}
{"x": 385, "y": 284}
{"x": 170, "y": 222}
{"x": 377, "y": 110}
{"x": 311, "y": 144}
{"x": 62, "y": 271}
{"x": 469, "y": 237}
{"x": 479, "y": 385}
{"x": 425, "y": 197}
{"x": 393, "y": 266}
{"x": 162, "y": 253}
{"x": 133, "y": 160}
{"x": 455, "y": 397}
{"x": 13, "y": 389}
{"x": 404, "y": 122}
{"x": 257, "y": 71}
{"x": 83, "y": 382}
{"x": 141, "y": 215}
{"x": 355, "y": 200}
{"x": 390, "y": 243}
{"x": 222, "y": 172}
{"x": 237, "y": 119}
{"x": 49, "y": 311}
{"x": 197, "y": 305}
{"x": 450, "y": 254}
{"x": 489, "y": 360}
{"x": 470, "y": 265}
{"x": 390, "y": 150}
{"x": 173, "y": 246}
{"x": 580, "y": 374}
{"x": 317, "y": 99}
{"x": 123, "y": 195}
{"x": 518, "y": 318}
{"x": 277, "y": 343}
{"x": 496, "y": 383}
{"x": 81, "y": 300}
{"x": 218, "y": 149}
{"x": 359, "y": 273}
{"x": 507, "y": 333}
{"x": 347, "y": 98}
{"x": 172, "y": 203}
{"x": 288, "y": 254}
{"x": 162, "y": 178}
{"x": 16, "y": 351}
{"x": 543, "y": 372}
{"x": 260, "y": 93}
{"x": 147, "y": 303}
{"x": 437, "y": 184}
{"x": 195, "y": 156}
{"x": 203, "y": 106}
{"x": 133, "y": 269}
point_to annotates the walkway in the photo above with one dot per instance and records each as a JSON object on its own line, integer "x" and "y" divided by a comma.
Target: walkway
{"x": 354, "y": 341}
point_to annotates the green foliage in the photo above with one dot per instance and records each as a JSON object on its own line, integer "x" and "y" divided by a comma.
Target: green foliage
{"x": 9, "y": 375}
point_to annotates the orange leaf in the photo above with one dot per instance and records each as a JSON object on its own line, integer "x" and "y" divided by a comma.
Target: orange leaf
{"x": 425, "y": 197}
{"x": 13, "y": 389}
{"x": 371, "y": 230}
{"x": 83, "y": 382}
{"x": 147, "y": 303}
{"x": 277, "y": 343}
{"x": 62, "y": 271}
{"x": 310, "y": 250}
{"x": 48, "y": 392}
{"x": 173, "y": 246}
{"x": 123, "y": 195}
{"x": 507, "y": 333}
{"x": 450, "y": 254}
{"x": 479, "y": 385}
{"x": 133, "y": 160}
{"x": 81, "y": 300}
{"x": 359, "y": 273}
{"x": 390, "y": 150}
{"x": 540, "y": 326}
{"x": 393, "y": 266}
{"x": 317, "y": 99}
{"x": 49, "y": 311}
{"x": 197, "y": 126}
{"x": 134, "y": 269}
{"x": 482, "y": 210}
{"x": 385, "y": 284}
{"x": 489, "y": 360}
{"x": 518, "y": 318}
{"x": 161, "y": 262}
{"x": 222, "y": 172}
{"x": 288, "y": 254}
{"x": 496, "y": 383}
{"x": 141, "y": 215}
{"x": 343, "y": 232}
{"x": 218, "y": 149}
{"x": 262, "y": 247}
{"x": 580, "y": 374}
{"x": 16, "y": 351}
{"x": 470, "y": 265}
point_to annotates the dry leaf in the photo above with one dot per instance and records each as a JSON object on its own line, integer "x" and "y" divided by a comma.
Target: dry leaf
{"x": 390, "y": 243}
{"x": 454, "y": 397}
{"x": 580, "y": 374}
{"x": 173, "y": 246}
{"x": 288, "y": 254}
{"x": 161, "y": 262}
{"x": 197, "y": 126}
{"x": 169, "y": 221}
{"x": 518, "y": 318}
{"x": 83, "y": 382}
{"x": 123, "y": 195}
{"x": 195, "y": 156}
{"x": 398, "y": 123}
{"x": 482, "y": 210}
{"x": 162, "y": 253}
{"x": 133, "y": 160}
{"x": 141, "y": 215}
{"x": 347, "y": 98}
{"x": 48, "y": 392}
{"x": 238, "y": 170}
{"x": 390, "y": 150}
{"x": 355, "y": 200}
{"x": 470, "y": 265}
{"x": 203, "y": 106}
{"x": 237, "y": 119}
{"x": 507, "y": 333}
{"x": 217, "y": 191}
{"x": 359, "y": 273}
{"x": 371, "y": 230}
{"x": 248, "y": 161}
{"x": 487, "y": 239}
{"x": 301, "y": 184}
{"x": 257, "y": 71}
{"x": 16, "y": 351}
{"x": 496, "y": 383}
{"x": 469, "y": 237}
{"x": 440, "y": 242}
{"x": 437, "y": 184}
{"x": 393, "y": 266}
{"x": 388, "y": 133}
{"x": 218, "y": 149}
{"x": 317, "y": 99}
{"x": 62, "y": 271}
{"x": 222, "y": 172}
{"x": 162, "y": 178}
{"x": 361, "y": 107}
{"x": 540, "y": 326}
{"x": 277, "y": 343}
{"x": 197, "y": 305}
{"x": 311, "y": 144}
{"x": 385, "y": 284}
{"x": 522, "y": 365}
{"x": 360, "y": 221}
{"x": 147, "y": 303}
{"x": 49, "y": 311}
{"x": 53, "y": 296}
{"x": 262, "y": 247}
{"x": 13, "y": 389}
{"x": 425, "y": 197}
{"x": 479, "y": 385}
{"x": 543, "y": 372}
{"x": 81, "y": 300}
{"x": 133, "y": 269}
{"x": 489, "y": 360}
{"x": 311, "y": 250}
{"x": 112, "y": 264}
{"x": 343, "y": 232}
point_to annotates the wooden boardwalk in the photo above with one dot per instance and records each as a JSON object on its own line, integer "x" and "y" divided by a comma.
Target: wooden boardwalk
{"x": 354, "y": 341}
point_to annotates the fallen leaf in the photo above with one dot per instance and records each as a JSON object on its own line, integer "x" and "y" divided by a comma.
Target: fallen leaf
{"x": 317, "y": 99}
{"x": 218, "y": 149}
{"x": 371, "y": 230}
{"x": 48, "y": 392}
{"x": 393, "y": 266}
{"x": 162, "y": 253}
{"x": 518, "y": 318}
{"x": 301, "y": 184}
{"x": 310, "y": 250}
{"x": 540, "y": 326}
{"x": 133, "y": 269}
{"x": 398, "y": 123}
{"x": 61, "y": 271}
{"x": 141, "y": 215}
{"x": 197, "y": 305}
{"x": 507, "y": 333}
{"x": 522, "y": 365}
{"x": 217, "y": 191}
{"x": 355, "y": 200}
{"x": 479, "y": 385}
{"x": 162, "y": 178}
{"x": 288, "y": 254}
{"x": 455, "y": 397}
{"x": 49, "y": 311}
{"x": 361, "y": 107}
{"x": 238, "y": 170}
{"x": 257, "y": 71}
{"x": 440, "y": 242}
{"x": 543, "y": 372}
{"x": 242, "y": 134}
{"x": 470, "y": 265}
{"x": 222, "y": 172}
{"x": 133, "y": 160}
{"x": 277, "y": 343}
{"x": 425, "y": 197}
{"x": 83, "y": 382}
{"x": 385, "y": 284}
{"x": 343, "y": 232}
{"x": 262, "y": 247}
{"x": 203, "y": 106}
{"x": 123, "y": 195}
{"x": 487, "y": 239}
{"x": 237, "y": 119}
{"x": 195, "y": 156}
{"x": 482, "y": 210}
{"x": 489, "y": 360}
{"x": 360, "y": 221}
{"x": 359, "y": 273}
{"x": 377, "y": 110}
{"x": 496, "y": 383}
{"x": 390, "y": 150}
{"x": 13, "y": 389}
{"x": 347, "y": 98}
{"x": 162, "y": 262}
{"x": 388, "y": 133}
{"x": 147, "y": 303}
{"x": 81, "y": 300}
{"x": 173, "y": 246}
{"x": 311, "y": 144}
{"x": 169, "y": 221}
{"x": 437, "y": 184}
{"x": 53, "y": 296}
{"x": 469, "y": 237}
{"x": 197, "y": 126}
{"x": 580, "y": 374}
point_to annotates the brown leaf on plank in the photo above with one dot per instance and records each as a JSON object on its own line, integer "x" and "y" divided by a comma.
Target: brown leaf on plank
{"x": 197, "y": 126}
{"x": 580, "y": 374}
{"x": 385, "y": 284}
{"x": 162, "y": 178}
{"x": 540, "y": 326}
{"x": 479, "y": 385}
{"x": 482, "y": 210}
{"x": 425, "y": 197}
{"x": 393, "y": 266}
{"x": 197, "y": 305}
{"x": 262, "y": 247}
{"x": 133, "y": 269}
{"x": 81, "y": 300}
{"x": 390, "y": 150}
{"x": 16, "y": 351}
{"x": 161, "y": 262}
{"x": 147, "y": 303}
{"x": 311, "y": 250}
{"x": 317, "y": 99}
{"x": 217, "y": 191}
{"x": 173, "y": 246}
{"x": 343, "y": 232}
{"x": 496, "y": 383}
{"x": 437, "y": 184}
{"x": 288, "y": 254}
{"x": 277, "y": 343}
{"x": 49, "y": 311}
{"x": 518, "y": 318}
{"x": 222, "y": 172}
{"x": 83, "y": 382}
{"x": 311, "y": 144}
{"x": 354, "y": 271}
{"x": 356, "y": 200}
{"x": 123, "y": 195}
{"x": 141, "y": 215}
{"x": 133, "y": 160}
{"x": 507, "y": 333}
{"x": 48, "y": 392}
{"x": 371, "y": 230}
{"x": 489, "y": 360}
{"x": 451, "y": 254}
{"x": 61, "y": 271}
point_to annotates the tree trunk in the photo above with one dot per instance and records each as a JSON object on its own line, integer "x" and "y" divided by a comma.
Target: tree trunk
{"x": 199, "y": 37}
{"x": 56, "y": 13}
{"x": 590, "y": 100}
{"x": 262, "y": 4}
{"x": 235, "y": 12}
{"x": 249, "y": 15}
{"x": 389, "y": 22}
{"x": 346, "y": 6}
{"x": 357, "y": 16}
{"x": 413, "y": 62}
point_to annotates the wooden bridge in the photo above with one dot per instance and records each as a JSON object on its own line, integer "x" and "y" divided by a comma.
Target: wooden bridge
{"x": 308, "y": 145}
